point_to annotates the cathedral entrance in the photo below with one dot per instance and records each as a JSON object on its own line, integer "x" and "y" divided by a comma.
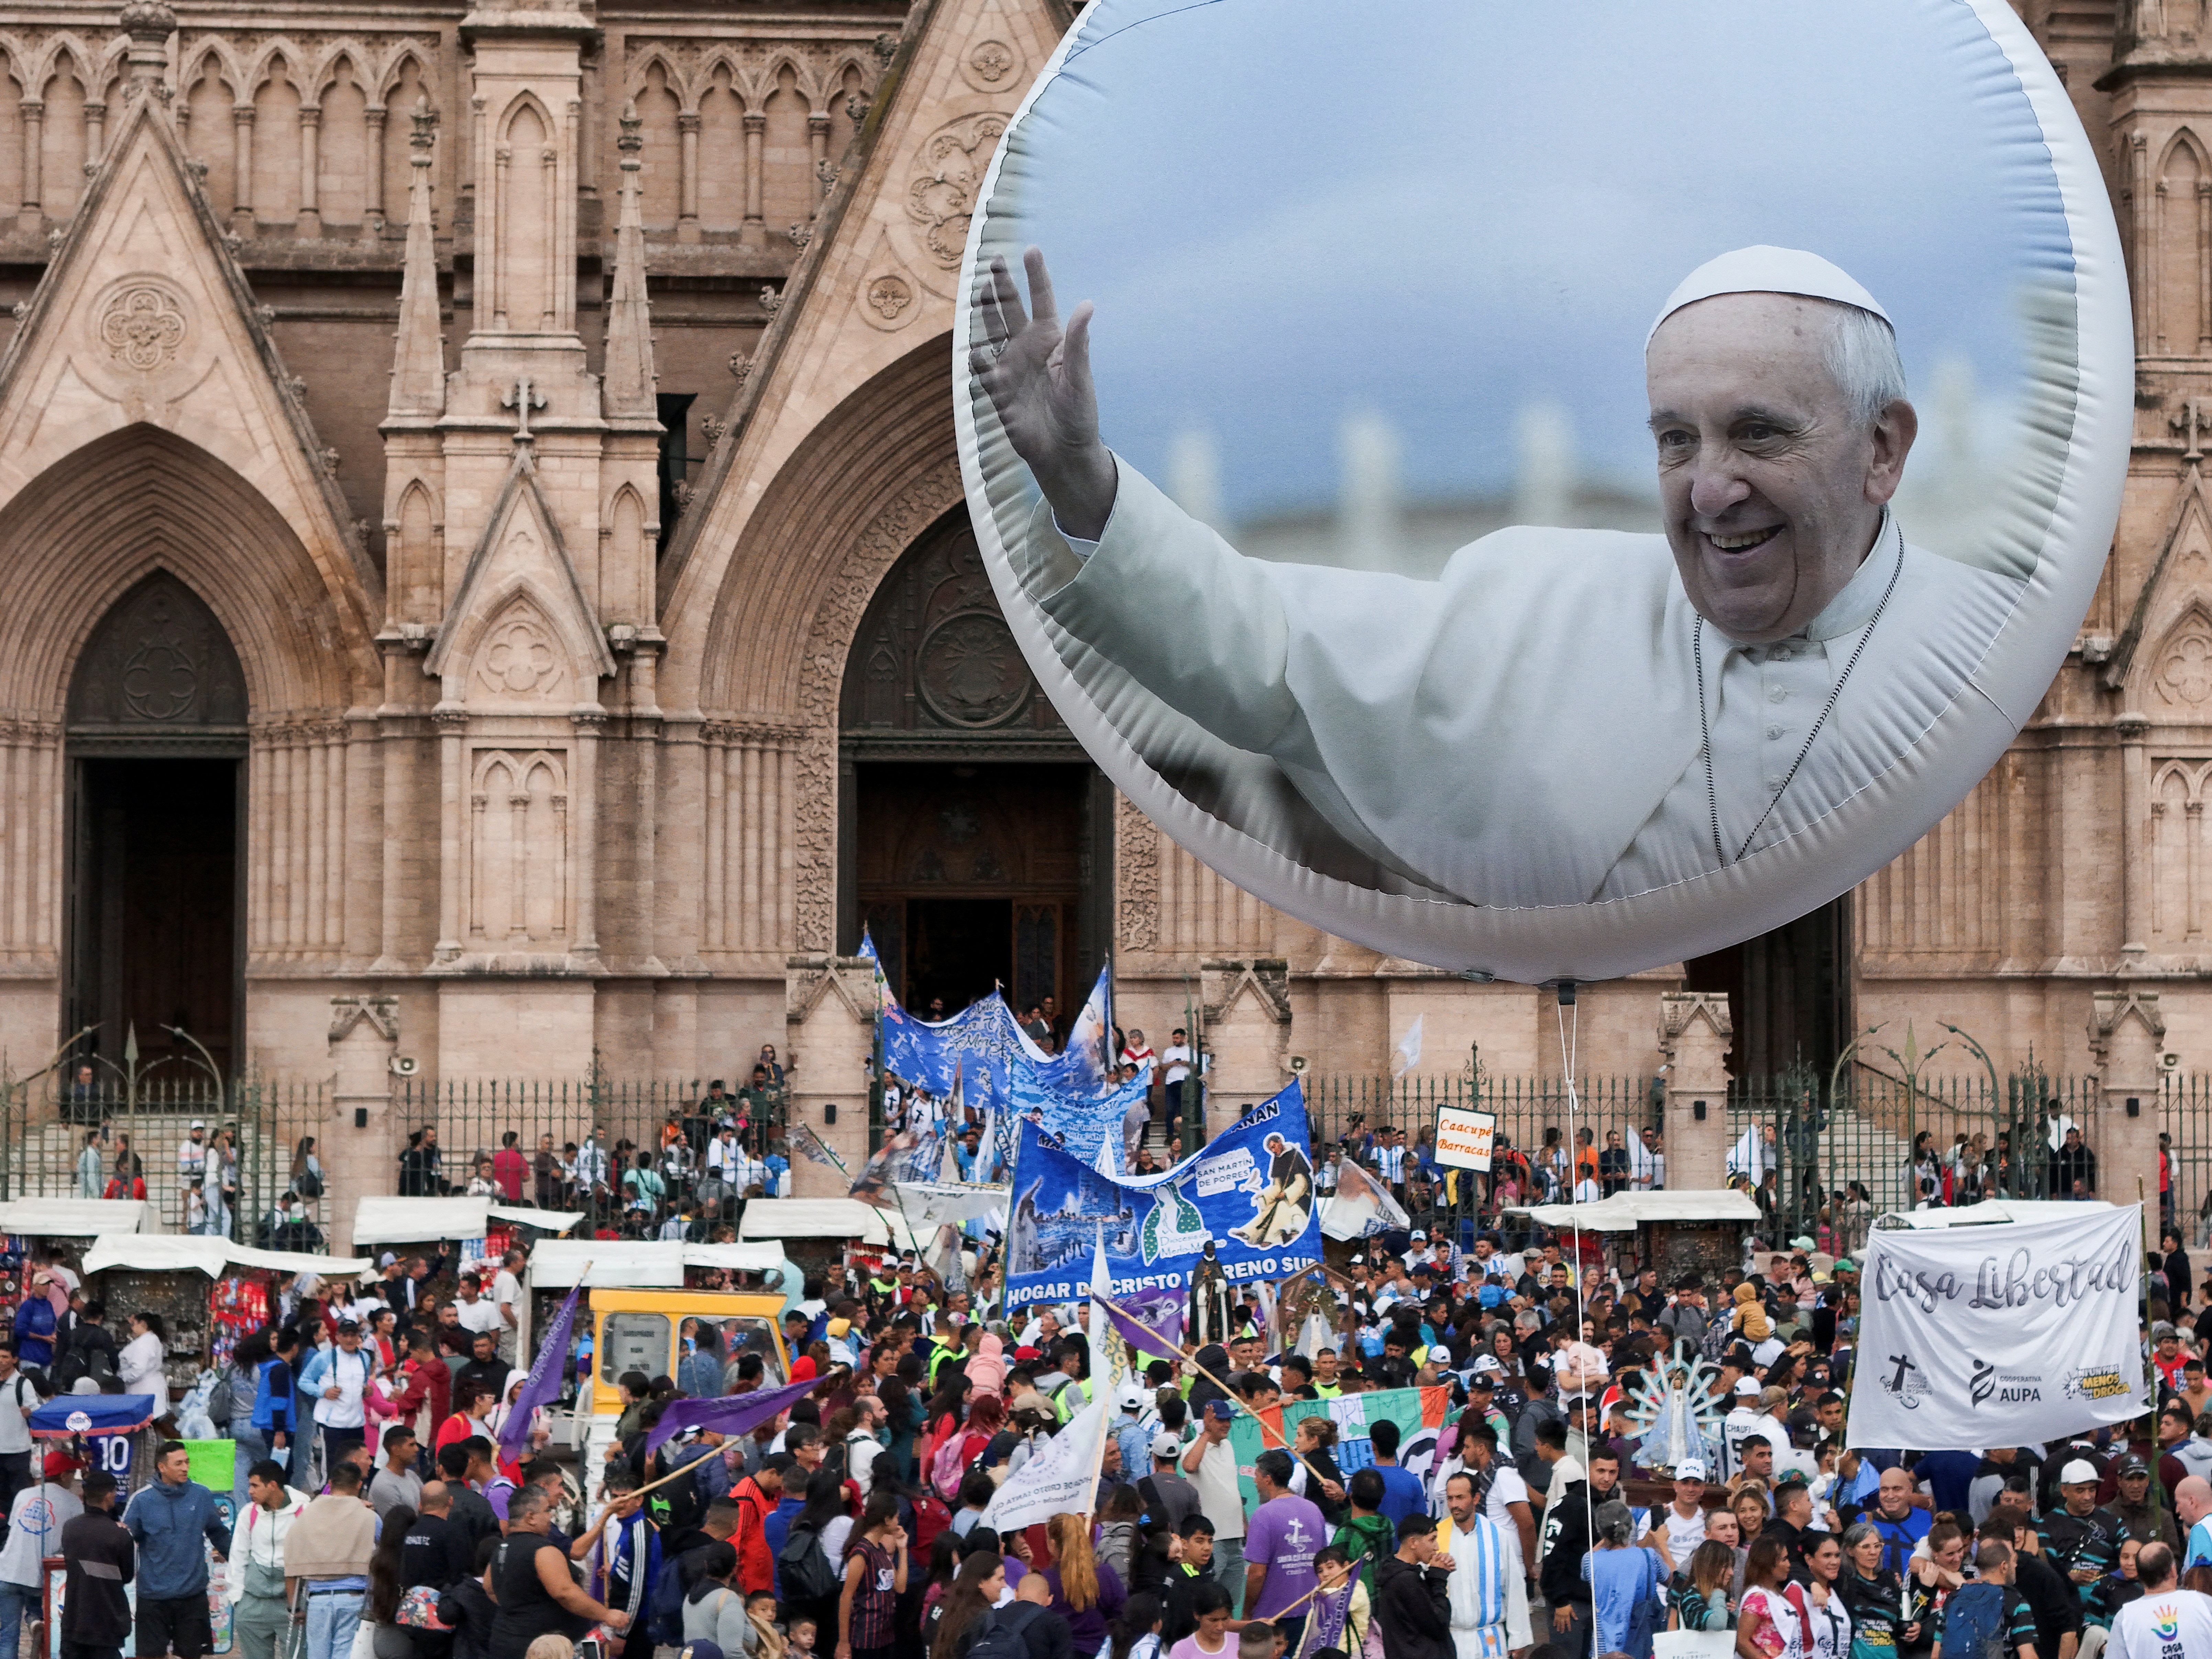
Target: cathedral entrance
{"x": 975, "y": 838}
{"x": 156, "y": 735}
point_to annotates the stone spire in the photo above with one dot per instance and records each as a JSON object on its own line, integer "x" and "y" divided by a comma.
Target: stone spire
{"x": 418, "y": 355}
{"x": 629, "y": 376}
{"x": 149, "y": 23}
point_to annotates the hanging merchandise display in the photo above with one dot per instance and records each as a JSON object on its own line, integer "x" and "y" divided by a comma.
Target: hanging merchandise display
{"x": 1706, "y": 518}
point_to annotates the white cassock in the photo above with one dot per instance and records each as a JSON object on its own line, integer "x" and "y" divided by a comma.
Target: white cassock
{"x": 1489, "y": 1596}
{"x": 1524, "y": 729}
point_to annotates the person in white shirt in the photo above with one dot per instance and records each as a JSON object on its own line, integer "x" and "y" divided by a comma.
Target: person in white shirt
{"x": 192, "y": 1152}
{"x": 253, "y": 1581}
{"x": 506, "y": 1302}
{"x": 19, "y": 1398}
{"x": 35, "y": 1520}
{"x": 1488, "y": 1589}
{"x": 474, "y": 1310}
{"x": 2167, "y": 1622}
{"x": 1174, "y": 1066}
{"x": 1683, "y": 1521}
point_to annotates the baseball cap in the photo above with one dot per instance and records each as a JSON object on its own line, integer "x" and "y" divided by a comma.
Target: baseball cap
{"x": 1419, "y": 1236}
{"x": 387, "y": 1260}
{"x": 199, "y": 1123}
{"x": 1486, "y": 1364}
{"x": 1165, "y": 1444}
{"x": 1802, "y": 1243}
{"x": 2131, "y": 1465}
{"x": 1221, "y": 1409}
{"x": 1690, "y": 1468}
{"x": 60, "y": 1464}
{"x": 1131, "y": 1398}
{"x": 1747, "y": 1385}
{"x": 2078, "y": 1472}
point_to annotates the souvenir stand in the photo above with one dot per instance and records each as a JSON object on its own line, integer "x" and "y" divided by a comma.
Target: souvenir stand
{"x": 30, "y": 1225}
{"x": 208, "y": 1292}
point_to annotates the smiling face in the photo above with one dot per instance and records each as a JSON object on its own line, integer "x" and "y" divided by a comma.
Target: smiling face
{"x": 1772, "y": 491}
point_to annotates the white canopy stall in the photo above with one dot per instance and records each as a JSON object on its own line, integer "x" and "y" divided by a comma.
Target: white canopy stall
{"x": 78, "y": 1217}
{"x": 386, "y": 1220}
{"x": 1991, "y": 1210}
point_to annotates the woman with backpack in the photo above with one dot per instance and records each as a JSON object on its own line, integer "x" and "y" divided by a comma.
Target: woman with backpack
{"x": 953, "y": 1625}
{"x": 1628, "y": 1585}
{"x": 387, "y": 1583}
{"x": 874, "y": 1574}
{"x": 806, "y": 1566}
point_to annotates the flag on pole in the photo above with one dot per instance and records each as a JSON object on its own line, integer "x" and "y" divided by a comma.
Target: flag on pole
{"x": 1103, "y": 1371}
{"x": 1150, "y": 1322}
{"x": 1408, "y": 1052}
{"x": 1059, "y": 1478}
{"x": 544, "y": 1383}
{"x": 808, "y": 1146}
{"x": 735, "y": 1414}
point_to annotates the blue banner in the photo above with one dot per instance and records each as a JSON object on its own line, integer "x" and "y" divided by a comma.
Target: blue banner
{"x": 1004, "y": 1076}
{"x": 1250, "y": 1191}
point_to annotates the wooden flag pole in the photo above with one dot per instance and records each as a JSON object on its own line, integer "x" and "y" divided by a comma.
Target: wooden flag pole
{"x": 1228, "y": 1393}
{"x": 830, "y": 1376}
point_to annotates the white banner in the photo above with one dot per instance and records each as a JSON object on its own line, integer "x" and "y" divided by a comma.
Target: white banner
{"x": 1999, "y": 1335}
{"x": 1061, "y": 1478}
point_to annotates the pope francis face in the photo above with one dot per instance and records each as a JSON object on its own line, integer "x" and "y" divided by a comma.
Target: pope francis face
{"x": 1772, "y": 488}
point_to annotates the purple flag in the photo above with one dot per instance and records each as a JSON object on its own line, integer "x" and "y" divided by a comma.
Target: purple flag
{"x": 1150, "y": 1322}
{"x": 544, "y": 1383}
{"x": 735, "y": 1414}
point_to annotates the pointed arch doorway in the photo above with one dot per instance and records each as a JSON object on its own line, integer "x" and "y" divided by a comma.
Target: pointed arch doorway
{"x": 975, "y": 837}
{"x": 156, "y": 745}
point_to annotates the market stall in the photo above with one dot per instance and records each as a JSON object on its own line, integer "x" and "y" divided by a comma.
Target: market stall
{"x": 462, "y": 1231}
{"x": 817, "y": 1232}
{"x": 1699, "y": 1231}
{"x": 208, "y": 1292}
{"x": 38, "y": 1226}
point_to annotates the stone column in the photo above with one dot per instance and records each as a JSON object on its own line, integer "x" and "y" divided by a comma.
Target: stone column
{"x": 829, "y": 1033}
{"x": 687, "y": 212}
{"x": 241, "y": 150}
{"x": 357, "y": 1160}
{"x": 753, "y": 233}
{"x": 310, "y": 222}
{"x": 2132, "y": 728}
{"x": 2127, "y": 1034}
{"x": 818, "y": 147}
{"x": 372, "y": 206}
{"x": 1694, "y": 1030}
{"x": 35, "y": 140}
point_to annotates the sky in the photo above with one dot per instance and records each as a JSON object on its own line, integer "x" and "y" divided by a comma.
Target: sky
{"x": 1443, "y": 211}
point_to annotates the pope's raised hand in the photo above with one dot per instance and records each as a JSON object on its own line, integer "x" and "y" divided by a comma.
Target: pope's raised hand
{"x": 1037, "y": 375}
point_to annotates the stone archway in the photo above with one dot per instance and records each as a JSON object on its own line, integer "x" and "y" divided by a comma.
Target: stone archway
{"x": 972, "y": 826}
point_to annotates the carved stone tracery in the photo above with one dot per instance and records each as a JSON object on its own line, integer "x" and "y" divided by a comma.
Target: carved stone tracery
{"x": 143, "y": 326}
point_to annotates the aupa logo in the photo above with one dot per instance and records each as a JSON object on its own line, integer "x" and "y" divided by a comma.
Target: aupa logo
{"x": 1983, "y": 1383}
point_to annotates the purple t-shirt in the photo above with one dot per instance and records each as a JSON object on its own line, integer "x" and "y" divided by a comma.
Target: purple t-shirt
{"x": 1283, "y": 1536}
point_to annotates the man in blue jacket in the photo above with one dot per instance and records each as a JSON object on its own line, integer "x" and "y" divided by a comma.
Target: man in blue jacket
{"x": 169, "y": 1519}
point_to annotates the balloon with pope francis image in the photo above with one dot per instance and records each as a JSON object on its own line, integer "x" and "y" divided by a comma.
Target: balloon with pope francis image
{"x": 1545, "y": 495}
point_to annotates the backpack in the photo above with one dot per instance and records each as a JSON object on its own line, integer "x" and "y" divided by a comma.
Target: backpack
{"x": 418, "y": 1609}
{"x": 1974, "y": 1622}
{"x": 947, "y": 1468}
{"x": 1000, "y": 1637}
{"x": 803, "y": 1572}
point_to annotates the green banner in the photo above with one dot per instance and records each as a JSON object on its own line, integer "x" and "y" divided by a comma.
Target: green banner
{"x": 1354, "y": 1414}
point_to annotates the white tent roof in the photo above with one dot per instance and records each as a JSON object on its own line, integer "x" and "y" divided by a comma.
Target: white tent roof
{"x": 825, "y": 1217}
{"x": 58, "y": 1218}
{"x": 555, "y": 1263}
{"x": 1623, "y": 1212}
{"x": 1992, "y": 1210}
{"x": 407, "y": 1220}
{"x": 171, "y": 1251}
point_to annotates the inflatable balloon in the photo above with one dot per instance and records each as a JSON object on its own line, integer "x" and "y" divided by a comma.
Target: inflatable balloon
{"x": 1545, "y": 492}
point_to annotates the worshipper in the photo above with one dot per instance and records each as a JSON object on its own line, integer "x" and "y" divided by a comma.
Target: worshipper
{"x": 254, "y": 1581}
{"x": 1489, "y": 1595}
{"x": 327, "y": 1550}
{"x": 102, "y": 1563}
{"x": 1414, "y": 1605}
